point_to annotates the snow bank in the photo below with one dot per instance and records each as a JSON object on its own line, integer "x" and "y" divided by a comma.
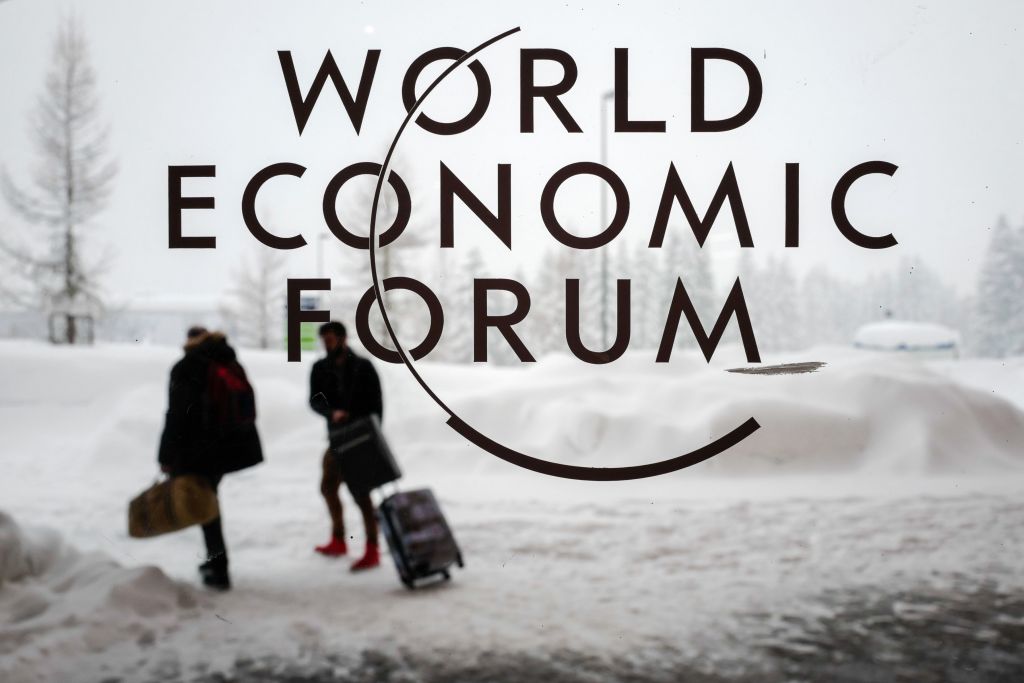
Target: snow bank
{"x": 862, "y": 412}
{"x": 56, "y": 599}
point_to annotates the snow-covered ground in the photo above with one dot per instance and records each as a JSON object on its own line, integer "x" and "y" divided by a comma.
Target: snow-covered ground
{"x": 872, "y": 529}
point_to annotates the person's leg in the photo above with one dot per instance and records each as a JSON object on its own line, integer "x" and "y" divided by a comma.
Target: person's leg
{"x": 330, "y": 482}
{"x": 371, "y": 558}
{"x": 216, "y": 552}
{"x": 215, "y": 570}
{"x": 213, "y": 534}
{"x": 369, "y": 518}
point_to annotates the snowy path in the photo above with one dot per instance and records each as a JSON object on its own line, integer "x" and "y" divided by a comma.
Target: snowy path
{"x": 676, "y": 585}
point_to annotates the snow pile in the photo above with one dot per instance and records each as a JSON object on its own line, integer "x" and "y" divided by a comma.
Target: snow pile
{"x": 56, "y": 599}
{"x": 900, "y": 335}
{"x": 862, "y": 412}
{"x": 875, "y": 415}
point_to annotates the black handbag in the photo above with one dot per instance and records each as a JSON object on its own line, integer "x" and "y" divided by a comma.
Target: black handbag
{"x": 362, "y": 455}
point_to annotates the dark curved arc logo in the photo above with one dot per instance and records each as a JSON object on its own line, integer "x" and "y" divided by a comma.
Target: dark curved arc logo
{"x": 496, "y": 449}
{"x": 651, "y": 469}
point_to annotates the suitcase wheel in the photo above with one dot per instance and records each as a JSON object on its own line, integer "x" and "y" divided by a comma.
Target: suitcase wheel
{"x": 458, "y": 560}
{"x": 408, "y": 583}
{"x": 446, "y": 575}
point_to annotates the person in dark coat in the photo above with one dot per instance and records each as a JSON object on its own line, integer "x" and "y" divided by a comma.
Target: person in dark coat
{"x": 344, "y": 386}
{"x": 210, "y": 435}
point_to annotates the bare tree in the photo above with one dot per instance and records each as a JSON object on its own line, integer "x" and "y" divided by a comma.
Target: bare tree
{"x": 256, "y": 300}
{"x": 69, "y": 186}
{"x": 401, "y": 257}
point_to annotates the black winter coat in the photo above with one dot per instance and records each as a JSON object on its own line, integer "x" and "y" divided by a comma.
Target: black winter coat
{"x": 351, "y": 385}
{"x": 190, "y": 444}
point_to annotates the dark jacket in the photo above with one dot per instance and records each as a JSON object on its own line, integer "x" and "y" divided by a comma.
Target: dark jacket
{"x": 345, "y": 381}
{"x": 191, "y": 443}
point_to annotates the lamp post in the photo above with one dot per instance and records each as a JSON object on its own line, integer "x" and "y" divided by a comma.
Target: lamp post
{"x": 605, "y": 99}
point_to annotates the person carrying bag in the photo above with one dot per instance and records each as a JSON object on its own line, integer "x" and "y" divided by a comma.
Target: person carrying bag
{"x": 345, "y": 390}
{"x": 210, "y": 431}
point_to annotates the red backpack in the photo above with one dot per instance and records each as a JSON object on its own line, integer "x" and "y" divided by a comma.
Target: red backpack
{"x": 232, "y": 403}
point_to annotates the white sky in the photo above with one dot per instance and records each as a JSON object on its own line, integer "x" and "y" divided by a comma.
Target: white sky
{"x": 931, "y": 87}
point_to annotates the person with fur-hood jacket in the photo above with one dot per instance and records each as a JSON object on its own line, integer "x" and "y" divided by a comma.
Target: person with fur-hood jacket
{"x": 210, "y": 429}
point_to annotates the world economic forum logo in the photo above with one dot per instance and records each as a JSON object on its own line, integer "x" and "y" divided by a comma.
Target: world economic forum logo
{"x": 498, "y": 221}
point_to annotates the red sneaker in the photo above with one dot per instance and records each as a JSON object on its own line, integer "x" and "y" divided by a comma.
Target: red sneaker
{"x": 368, "y": 561}
{"x": 335, "y": 548}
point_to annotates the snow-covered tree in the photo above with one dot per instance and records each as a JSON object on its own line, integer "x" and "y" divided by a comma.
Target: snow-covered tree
{"x": 70, "y": 185}
{"x": 547, "y": 290}
{"x": 830, "y": 312}
{"x": 457, "y": 340}
{"x": 684, "y": 259}
{"x": 999, "y": 307}
{"x": 254, "y": 309}
{"x": 778, "y": 320}
{"x": 634, "y": 263}
{"x": 586, "y": 266}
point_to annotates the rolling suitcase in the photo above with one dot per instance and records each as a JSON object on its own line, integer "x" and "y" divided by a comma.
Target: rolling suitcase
{"x": 363, "y": 455}
{"x": 418, "y": 535}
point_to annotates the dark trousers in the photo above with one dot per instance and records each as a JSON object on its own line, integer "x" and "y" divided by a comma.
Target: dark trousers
{"x": 213, "y": 534}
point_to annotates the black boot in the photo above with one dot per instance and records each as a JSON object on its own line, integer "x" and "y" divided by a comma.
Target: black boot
{"x": 215, "y": 574}
{"x": 214, "y": 571}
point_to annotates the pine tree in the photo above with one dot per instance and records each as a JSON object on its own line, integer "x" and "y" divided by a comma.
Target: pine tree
{"x": 772, "y": 292}
{"x": 686, "y": 260}
{"x": 627, "y": 268}
{"x": 445, "y": 286}
{"x": 829, "y": 312}
{"x": 918, "y": 293}
{"x": 648, "y": 302}
{"x": 458, "y": 318}
{"x": 999, "y": 311}
{"x": 586, "y": 266}
{"x": 548, "y": 292}
{"x": 70, "y": 187}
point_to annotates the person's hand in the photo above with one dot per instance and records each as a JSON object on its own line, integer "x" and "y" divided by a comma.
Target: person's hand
{"x": 339, "y": 416}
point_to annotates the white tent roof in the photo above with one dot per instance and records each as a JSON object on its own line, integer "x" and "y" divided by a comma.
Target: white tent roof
{"x": 902, "y": 335}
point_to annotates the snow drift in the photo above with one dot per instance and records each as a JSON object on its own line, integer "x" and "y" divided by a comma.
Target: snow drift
{"x": 862, "y": 412}
{"x": 54, "y": 598}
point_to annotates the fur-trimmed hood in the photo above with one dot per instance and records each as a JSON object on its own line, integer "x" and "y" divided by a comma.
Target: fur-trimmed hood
{"x": 210, "y": 345}
{"x": 198, "y": 340}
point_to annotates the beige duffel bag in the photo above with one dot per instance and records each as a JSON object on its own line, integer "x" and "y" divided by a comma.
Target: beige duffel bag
{"x": 171, "y": 505}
